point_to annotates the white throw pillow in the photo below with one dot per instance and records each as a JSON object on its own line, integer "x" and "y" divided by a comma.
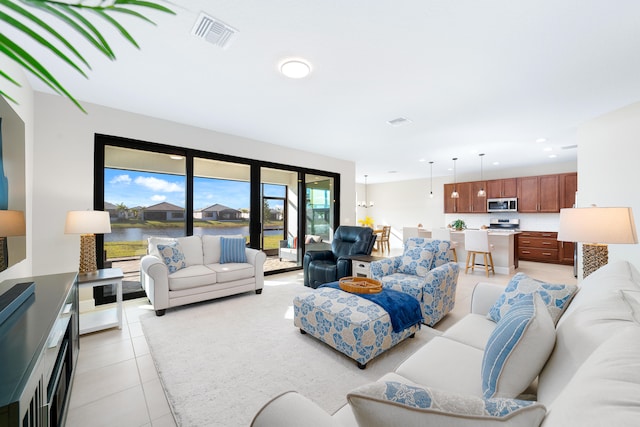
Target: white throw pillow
{"x": 555, "y": 296}
{"x": 517, "y": 348}
{"x": 394, "y": 403}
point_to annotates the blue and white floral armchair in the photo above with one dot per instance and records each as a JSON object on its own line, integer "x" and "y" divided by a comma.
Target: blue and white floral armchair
{"x": 424, "y": 271}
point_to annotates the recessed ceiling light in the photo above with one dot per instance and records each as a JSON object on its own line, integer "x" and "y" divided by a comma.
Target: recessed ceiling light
{"x": 496, "y": 163}
{"x": 295, "y": 68}
{"x": 552, "y": 156}
{"x": 393, "y": 171}
{"x": 540, "y": 140}
{"x": 547, "y": 149}
{"x": 422, "y": 160}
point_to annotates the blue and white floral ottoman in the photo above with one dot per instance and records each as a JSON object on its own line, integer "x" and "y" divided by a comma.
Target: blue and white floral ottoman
{"x": 350, "y": 324}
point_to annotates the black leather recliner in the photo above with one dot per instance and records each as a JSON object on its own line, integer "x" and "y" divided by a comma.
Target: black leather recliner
{"x": 322, "y": 267}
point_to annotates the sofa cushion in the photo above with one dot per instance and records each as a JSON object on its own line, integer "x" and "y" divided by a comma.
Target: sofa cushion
{"x": 472, "y": 329}
{"x": 605, "y": 390}
{"x": 445, "y": 364}
{"x": 191, "y": 277}
{"x": 555, "y": 296}
{"x": 416, "y": 261}
{"x": 153, "y": 242}
{"x": 386, "y": 403}
{"x": 518, "y": 348}
{"x": 232, "y": 249}
{"x": 232, "y": 271}
{"x": 192, "y": 248}
{"x": 171, "y": 254}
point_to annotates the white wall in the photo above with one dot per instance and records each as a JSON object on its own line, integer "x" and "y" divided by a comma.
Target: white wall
{"x": 24, "y": 108}
{"x": 407, "y": 203}
{"x": 63, "y": 166}
{"x": 608, "y": 175}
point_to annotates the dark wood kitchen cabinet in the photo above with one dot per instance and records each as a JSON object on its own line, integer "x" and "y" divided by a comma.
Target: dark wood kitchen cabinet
{"x": 500, "y": 188}
{"x": 543, "y": 246}
{"x": 538, "y": 194}
{"x": 468, "y": 202}
{"x": 568, "y": 188}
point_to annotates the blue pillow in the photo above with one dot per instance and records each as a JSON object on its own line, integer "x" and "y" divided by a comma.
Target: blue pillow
{"x": 555, "y": 296}
{"x": 232, "y": 250}
{"x": 172, "y": 256}
{"x": 517, "y": 348}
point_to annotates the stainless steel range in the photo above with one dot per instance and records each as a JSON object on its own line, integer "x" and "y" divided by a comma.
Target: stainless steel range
{"x": 504, "y": 224}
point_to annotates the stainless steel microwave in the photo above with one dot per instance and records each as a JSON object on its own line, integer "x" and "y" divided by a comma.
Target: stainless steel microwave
{"x": 502, "y": 205}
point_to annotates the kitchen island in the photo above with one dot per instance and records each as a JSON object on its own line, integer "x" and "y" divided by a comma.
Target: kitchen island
{"x": 505, "y": 260}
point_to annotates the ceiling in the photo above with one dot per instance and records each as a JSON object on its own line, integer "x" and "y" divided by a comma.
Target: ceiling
{"x": 491, "y": 76}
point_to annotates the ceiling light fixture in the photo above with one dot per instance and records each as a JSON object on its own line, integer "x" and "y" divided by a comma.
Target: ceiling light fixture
{"x": 431, "y": 192}
{"x": 481, "y": 192}
{"x": 295, "y": 69}
{"x": 454, "y": 193}
{"x": 365, "y": 203}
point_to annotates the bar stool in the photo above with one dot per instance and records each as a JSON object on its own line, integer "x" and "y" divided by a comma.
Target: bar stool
{"x": 477, "y": 242}
{"x": 445, "y": 234}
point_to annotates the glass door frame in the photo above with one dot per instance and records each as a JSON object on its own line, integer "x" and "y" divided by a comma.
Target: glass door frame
{"x": 255, "y": 226}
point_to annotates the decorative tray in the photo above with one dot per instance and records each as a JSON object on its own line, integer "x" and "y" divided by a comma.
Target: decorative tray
{"x": 360, "y": 285}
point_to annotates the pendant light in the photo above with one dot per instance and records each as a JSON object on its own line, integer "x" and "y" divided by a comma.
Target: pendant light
{"x": 365, "y": 203}
{"x": 481, "y": 193}
{"x": 431, "y": 191}
{"x": 454, "y": 194}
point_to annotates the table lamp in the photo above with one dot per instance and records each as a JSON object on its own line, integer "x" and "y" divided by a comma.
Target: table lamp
{"x": 87, "y": 224}
{"x": 595, "y": 227}
{"x": 11, "y": 224}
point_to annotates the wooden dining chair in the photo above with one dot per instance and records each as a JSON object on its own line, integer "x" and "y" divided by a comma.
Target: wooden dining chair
{"x": 445, "y": 234}
{"x": 383, "y": 239}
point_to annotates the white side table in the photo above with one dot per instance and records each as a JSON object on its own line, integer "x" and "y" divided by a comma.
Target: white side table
{"x": 361, "y": 265}
{"x": 102, "y": 319}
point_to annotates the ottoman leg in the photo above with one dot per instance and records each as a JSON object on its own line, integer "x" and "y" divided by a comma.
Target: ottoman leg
{"x": 361, "y": 365}
{"x": 303, "y": 332}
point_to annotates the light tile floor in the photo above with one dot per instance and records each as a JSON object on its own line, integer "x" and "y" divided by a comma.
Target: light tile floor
{"x": 116, "y": 383}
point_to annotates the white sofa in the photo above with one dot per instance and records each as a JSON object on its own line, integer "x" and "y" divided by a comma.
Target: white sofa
{"x": 591, "y": 378}
{"x": 203, "y": 276}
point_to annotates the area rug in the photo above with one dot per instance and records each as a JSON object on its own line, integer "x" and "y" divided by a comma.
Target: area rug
{"x": 221, "y": 361}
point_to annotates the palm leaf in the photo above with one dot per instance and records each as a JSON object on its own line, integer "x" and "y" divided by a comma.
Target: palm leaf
{"x": 120, "y": 28}
{"x": 74, "y": 25}
{"x": 69, "y": 15}
{"x": 42, "y": 24}
{"x": 20, "y": 26}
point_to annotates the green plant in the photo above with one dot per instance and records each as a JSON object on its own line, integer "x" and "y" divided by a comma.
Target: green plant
{"x": 458, "y": 224}
{"x": 71, "y": 15}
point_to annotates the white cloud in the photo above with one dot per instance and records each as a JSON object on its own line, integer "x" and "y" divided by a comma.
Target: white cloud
{"x": 156, "y": 184}
{"x": 121, "y": 179}
{"x": 158, "y": 198}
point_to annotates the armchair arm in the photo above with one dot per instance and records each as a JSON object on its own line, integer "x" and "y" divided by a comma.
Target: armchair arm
{"x": 154, "y": 276}
{"x": 384, "y": 267}
{"x": 439, "y": 292}
{"x": 320, "y": 255}
{"x": 291, "y": 409}
{"x": 484, "y": 296}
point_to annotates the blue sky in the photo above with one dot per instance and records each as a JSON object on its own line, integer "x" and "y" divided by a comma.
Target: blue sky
{"x": 145, "y": 189}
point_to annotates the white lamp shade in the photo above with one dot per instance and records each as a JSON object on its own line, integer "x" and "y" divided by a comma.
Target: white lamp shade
{"x": 12, "y": 223}
{"x": 597, "y": 225}
{"x": 87, "y": 222}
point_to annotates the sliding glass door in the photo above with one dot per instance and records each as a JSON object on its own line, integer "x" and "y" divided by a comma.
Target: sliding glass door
{"x": 159, "y": 190}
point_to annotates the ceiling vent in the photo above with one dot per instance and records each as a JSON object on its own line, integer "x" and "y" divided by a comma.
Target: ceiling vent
{"x": 213, "y": 30}
{"x": 400, "y": 121}
{"x": 569, "y": 147}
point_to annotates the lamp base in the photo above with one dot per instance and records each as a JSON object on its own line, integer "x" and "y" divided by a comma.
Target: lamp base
{"x": 88, "y": 262}
{"x": 594, "y": 256}
{"x": 4, "y": 254}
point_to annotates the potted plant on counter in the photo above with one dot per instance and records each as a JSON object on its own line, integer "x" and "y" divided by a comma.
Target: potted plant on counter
{"x": 458, "y": 225}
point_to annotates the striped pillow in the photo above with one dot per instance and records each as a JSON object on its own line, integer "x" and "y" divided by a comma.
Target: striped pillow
{"x": 518, "y": 348}
{"x": 232, "y": 250}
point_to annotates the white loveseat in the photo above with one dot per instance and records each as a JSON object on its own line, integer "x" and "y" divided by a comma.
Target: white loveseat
{"x": 591, "y": 378}
{"x": 202, "y": 276}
